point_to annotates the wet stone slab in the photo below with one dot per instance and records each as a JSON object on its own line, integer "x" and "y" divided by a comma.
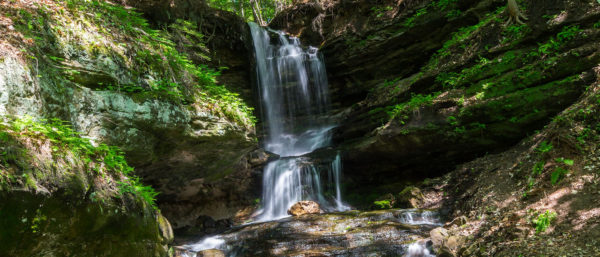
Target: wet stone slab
{"x": 351, "y": 233}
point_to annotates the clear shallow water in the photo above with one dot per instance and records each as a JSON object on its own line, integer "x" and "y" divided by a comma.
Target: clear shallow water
{"x": 418, "y": 249}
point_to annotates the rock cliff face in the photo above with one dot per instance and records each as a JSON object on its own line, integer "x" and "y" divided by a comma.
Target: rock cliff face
{"x": 213, "y": 173}
{"x": 117, "y": 82}
{"x": 426, "y": 85}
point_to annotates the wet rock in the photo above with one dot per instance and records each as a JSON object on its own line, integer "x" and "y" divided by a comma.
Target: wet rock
{"x": 259, "y": 157}
{"x": 179, "y": 251}
{"x": 210, "y": 253}
{"x": 352, "y": 233}
{"x": 304, "y": 207}
{"x": 411, "y": 197}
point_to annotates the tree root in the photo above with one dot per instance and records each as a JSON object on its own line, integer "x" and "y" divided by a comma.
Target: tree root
{"x": 514, "y": 13}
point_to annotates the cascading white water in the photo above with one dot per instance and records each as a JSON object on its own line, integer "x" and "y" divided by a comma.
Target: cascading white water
{"x": 292, "y": 85}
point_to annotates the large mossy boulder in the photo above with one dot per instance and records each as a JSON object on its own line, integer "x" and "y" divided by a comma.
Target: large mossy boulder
{"x": 62, "y": 196}
{"x": 37, "y": 224}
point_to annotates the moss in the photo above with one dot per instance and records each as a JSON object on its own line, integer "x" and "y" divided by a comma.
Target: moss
{"x": 42, "y": 225}
{"x": 383, "y": 204}
{"x": 462, "y": 36}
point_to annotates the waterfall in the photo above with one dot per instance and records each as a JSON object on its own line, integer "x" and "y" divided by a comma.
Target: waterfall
{"x": 293, "y": 90}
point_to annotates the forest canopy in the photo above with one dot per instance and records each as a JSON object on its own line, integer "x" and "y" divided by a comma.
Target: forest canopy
{"x": 259, "y": 11}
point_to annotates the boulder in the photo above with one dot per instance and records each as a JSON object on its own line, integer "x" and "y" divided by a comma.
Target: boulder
{"x": 183, "y": 252}
{"x": 438, "y": 236}
{"x": 210, "y": 253}
{"x": 446, "y": 244}
{"x": 411, "y": 197}
{"x": 304, "y": 207}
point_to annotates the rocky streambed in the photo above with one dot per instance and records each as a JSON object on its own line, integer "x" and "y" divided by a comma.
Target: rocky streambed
{"x": 397, "y": 232}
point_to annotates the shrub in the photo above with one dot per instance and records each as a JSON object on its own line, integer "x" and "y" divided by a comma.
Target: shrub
{"x": 383, "y": 204}
{"x": 543, "y": 221}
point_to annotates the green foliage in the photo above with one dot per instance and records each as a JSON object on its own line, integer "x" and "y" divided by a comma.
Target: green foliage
{"x": 410, "y": 22}
{"x": 585, "y": 134}
{"x": 544, "y": 147}
{"x": 543, "y": 221}
{"x": 379, "y": 11}
{"x": 567, "y": 34}
{"x": 100, "y": 159}
{"x": 477, "y": 125}
{"x": 416, "y": 101}
{"x": 38, "y": 221}
{"x": 557, "y": 174}
{"x": 383, "y": 204}
{"x": 243, "y": 8}
{"x": 64, "y": 138}
{"x": 230, "y": 103}
{"x": 562, "y": 160}
{"x": 515, "y": 32}
{"x": 450, "y": 80}
{"x": 134, "y": 186}
{"x": 461, "y": 36}
{"x": 452, "y": 120}
{"x": 189, "y": 30}
{"x": 460, "y": 130}
{"x": 538, "y": 168}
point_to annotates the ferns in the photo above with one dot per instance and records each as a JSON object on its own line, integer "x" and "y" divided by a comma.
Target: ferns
{"x": 102, "y": 159}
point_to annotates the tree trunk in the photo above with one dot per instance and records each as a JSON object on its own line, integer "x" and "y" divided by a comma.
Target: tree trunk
{"x": 256, "y": 12}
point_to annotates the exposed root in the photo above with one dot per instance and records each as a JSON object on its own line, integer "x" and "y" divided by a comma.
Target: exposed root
{"x": 514, "y": 13}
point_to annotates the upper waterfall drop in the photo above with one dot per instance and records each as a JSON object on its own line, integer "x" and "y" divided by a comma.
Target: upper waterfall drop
{"x": 293, "y": 90}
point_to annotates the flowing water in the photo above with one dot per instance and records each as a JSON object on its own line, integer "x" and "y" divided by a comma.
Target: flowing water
{"x": 292, "y": 85}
